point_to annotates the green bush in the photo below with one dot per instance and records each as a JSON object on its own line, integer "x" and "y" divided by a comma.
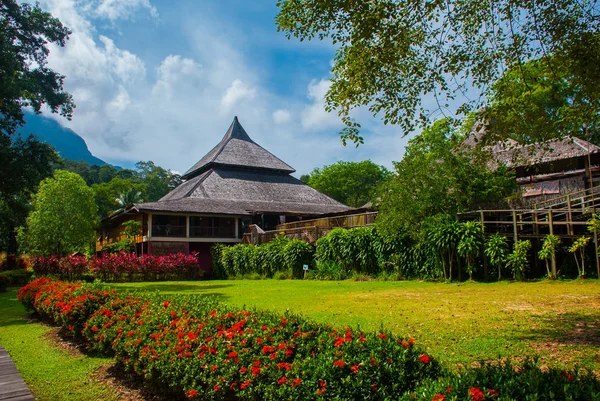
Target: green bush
{"x": 328, "y": 270}
{"x": 4, "y": 282}
{"x": 16, "y": 277}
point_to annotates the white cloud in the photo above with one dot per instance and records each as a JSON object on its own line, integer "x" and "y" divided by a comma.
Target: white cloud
{"x": 236, "y": 92}
{"x": 123, "y": 9}
{"x": 176, "y": 74}
{"x": 281, "y": 116}
{"x": 314, "y": 116}
{"x": 120, "y": 102}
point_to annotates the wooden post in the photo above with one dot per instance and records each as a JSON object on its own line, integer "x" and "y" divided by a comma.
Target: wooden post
{"x": 515, "y": 232}
{"x": 485, "y": 264}
{"x": 551, "y": 228}
{"x": 569, "y": 216}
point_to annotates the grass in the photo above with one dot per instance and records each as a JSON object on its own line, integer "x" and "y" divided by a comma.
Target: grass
{"x": 51, "y": 372}
{"x": 458, "y": 323}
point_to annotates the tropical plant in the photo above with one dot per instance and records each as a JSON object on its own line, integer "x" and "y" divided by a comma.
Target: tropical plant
{"x": 127, "y": 199}
{"x": 444, "y": 234}
{"x": 496, "y": 250}
{"x": 578, "y": 247}
{"x": 517, "y": 260}
{"x": 548, "y": 252}
{"x": 469, "y": 245}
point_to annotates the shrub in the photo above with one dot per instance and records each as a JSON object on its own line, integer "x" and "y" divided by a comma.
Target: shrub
{"x": 328, "y": 270}
{"x": 27, "y": 294}
{"x": 17, "y": 277}
{"x": 4, "y": 282}
{"x": 517, "y": 261}
{"x": 12, "y": 262}
{"x": 205, "y": 350}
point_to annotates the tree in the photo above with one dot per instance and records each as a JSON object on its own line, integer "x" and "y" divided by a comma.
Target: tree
{"x": 351, "y": 183}
{"x": 158, "y": 180}
{"x": 471, "y": 239}
{"x": 391, "y": 54}
{"x": 24, "y": 164}
{"x": 496, "y": 250}
{"x": 127, "y": 199}
{"x": 444, "y": 233}
{"x": 548, "y": 252}
{"x": 63, "y": 218}
{"x": 25, "y": 81}
{"x": 440, "y": 176}
{"x": 543, "y": 97}
{"x": 106, "y": 194}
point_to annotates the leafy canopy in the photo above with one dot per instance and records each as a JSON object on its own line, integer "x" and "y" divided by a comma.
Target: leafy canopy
{"x": 63, "y": 218}
{"x": 351, "y": 183}
{"x": 25, "y": 79}
{"x": 392, "y": 53}
{"x": 440, "y": 176}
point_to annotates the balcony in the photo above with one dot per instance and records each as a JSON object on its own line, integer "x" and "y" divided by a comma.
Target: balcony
{"x": 168, "y": 230}
{"x": 212, "y": 232}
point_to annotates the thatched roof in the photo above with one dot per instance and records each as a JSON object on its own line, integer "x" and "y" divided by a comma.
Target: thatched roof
{"x": 513, "y": 154}
{"x": 237, "y": 149}
{"x": 238, "y": 177}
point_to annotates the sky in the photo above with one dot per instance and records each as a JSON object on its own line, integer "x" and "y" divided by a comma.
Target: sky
{"x": 162, "y": 80}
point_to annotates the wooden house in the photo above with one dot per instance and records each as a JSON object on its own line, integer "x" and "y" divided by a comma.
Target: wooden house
{"x": 235, "y": 185}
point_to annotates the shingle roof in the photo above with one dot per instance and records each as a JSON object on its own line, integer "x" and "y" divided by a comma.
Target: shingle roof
{"x": 236, "y": 149}
{"x": 240, "y": 192}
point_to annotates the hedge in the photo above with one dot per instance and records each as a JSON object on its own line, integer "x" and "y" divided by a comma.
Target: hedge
{"x": 202, "y": 349}
{"x": 14, "y": 278}
{"x": 120, "y": 267}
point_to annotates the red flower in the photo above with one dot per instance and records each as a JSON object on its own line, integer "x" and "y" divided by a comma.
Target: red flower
{"x": 476, "y": 394}
{"x": 492, "y": 393}
{"x": 255, "y": 371}
{"x": 282, "y": 380}
{"x": 296, "y": 382}
{"x": 190, "y": 393}
{"x": 284, "y": 365}
{"x": 232, "y": 354}
{"x": 355, "y": 368}
{"x": 567, "y": 376}
{"x": 166, "y": 305}
{"x": 245, "y": 384}
{"x": 438, "y": 397}
{"x": 382, "y": 336}
{"x": 339, "y": 363}
{"x": 243, "y": 370}
{"x": 284, "y": 321}
{"x": 425, "y": 359}
{"x": 216, "y": 388}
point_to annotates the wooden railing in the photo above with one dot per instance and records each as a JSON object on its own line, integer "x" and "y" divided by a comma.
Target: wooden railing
{"x": 353, "y": 220}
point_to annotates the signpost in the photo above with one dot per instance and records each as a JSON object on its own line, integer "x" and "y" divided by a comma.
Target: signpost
{"x": 305, "y": 267}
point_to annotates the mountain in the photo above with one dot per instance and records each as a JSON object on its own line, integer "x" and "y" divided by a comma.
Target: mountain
{"x": 66, "y": 142}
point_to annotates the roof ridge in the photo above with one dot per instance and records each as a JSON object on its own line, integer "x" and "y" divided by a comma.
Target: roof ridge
{"x": 200, "y": 181}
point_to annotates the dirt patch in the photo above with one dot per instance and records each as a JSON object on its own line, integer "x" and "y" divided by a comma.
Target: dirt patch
{"x": 65, "y": 342}
{"x": 126, "y": 386}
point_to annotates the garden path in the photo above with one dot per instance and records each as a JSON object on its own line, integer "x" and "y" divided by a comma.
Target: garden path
{"x": 12, "y": 386}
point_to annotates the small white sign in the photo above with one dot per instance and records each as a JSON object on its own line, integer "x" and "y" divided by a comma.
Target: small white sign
{"x": 305, "y": 267}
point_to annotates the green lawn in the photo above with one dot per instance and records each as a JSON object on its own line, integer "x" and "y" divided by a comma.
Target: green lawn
{"x": 50, "y": 372}
{"x": 458, "y": 323}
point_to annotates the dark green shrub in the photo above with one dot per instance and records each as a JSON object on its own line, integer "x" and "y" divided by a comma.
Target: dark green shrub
{"x": 17, "y": 277}
{"x": 218, "y": 271}
{"x": 4, "y": 282}
{"x": 296, "y": 254}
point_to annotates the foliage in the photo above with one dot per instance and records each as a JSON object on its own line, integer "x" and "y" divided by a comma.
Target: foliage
{"x": 218, "y": 271}
{"x": 131, "y": 230}
{"x": 63, "y": 218}
{"x": 496, "y": 250}
{"x": 4, "y": 282}
{"x": 444, "y": 233}
{"x": 471, "y": 240}
{"x": 15, "y": 277}
{"x": 127, "y": 199}
{"x": 548, "y": 251}
{"x": 107, "y": 193}
{"x": 280, "y": 254}
{"x": 200, "y": 348}
{"x": 24, "y": 164}
{"x": 517, "y": 260}
{"x": 579, "y": 246}
{"x": 328, "y": 270}
{"x": 13, "y": 262}
{"x": 439, "y": 176}
{"x": 543, "y": 98}
{"x": 391, "y": 55}
{"x": 25, "y": 79}
{"x": 351, "y": 183}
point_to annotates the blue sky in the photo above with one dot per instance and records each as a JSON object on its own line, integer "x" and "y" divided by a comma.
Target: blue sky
{"x": 162, "y": 81}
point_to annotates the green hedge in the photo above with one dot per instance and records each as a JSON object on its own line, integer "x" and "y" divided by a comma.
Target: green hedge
{"x": 14, "y": 278}
{"x": 281, "y": 254}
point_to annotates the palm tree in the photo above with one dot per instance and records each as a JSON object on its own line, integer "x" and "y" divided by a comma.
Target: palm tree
{"x": 127, "y": 199}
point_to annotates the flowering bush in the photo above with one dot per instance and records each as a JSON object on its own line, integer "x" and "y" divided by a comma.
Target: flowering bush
{"x": 120, "y": 267}
{"x": 201, "y": 349}
{"x": 27, "y": 294}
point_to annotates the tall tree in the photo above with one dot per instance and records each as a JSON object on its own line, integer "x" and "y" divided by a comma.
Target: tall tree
{"x": 440, "y": 176}
{"x": 393, "y": 53}
{"x": 25, "y": 81}
{"x": 158, "y": 180}
{"x": 63, "y": 218}
{"x": 107, "y": 193}
{"x": 352, "y": 183}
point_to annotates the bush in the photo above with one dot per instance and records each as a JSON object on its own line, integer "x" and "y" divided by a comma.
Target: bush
{"x": 27, "y": 294}
{"x": 16, "y": 277}
{"x": 4, "y": 283}
{"x": 205, "y": 350}
{"x": 12, "y": 262}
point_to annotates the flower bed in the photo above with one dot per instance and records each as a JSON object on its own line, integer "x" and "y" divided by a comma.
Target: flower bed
{"x": 121, "y": 267}
{"x": 201, "y": 349}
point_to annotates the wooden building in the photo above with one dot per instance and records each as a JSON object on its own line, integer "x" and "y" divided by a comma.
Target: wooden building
{"x": 235, "y": 185}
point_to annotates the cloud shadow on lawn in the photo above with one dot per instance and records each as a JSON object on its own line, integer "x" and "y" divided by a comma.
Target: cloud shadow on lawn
{"x": 567, "y": 329}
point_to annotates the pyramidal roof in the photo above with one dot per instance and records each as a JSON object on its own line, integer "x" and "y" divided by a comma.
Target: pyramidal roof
{"x": 236, "y": 149}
